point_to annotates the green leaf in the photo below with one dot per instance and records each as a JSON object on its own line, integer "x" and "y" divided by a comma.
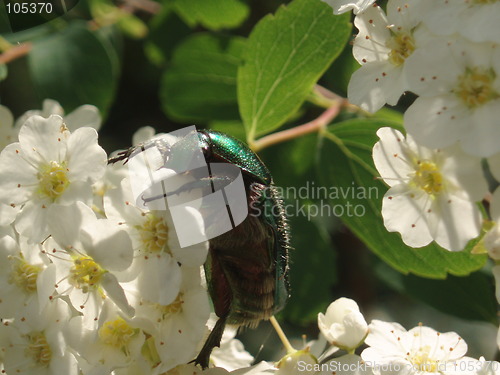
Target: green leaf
{"x": 166, "y": 30}
{"x": 286, "y": 54}
{"x": 213, "y": 14}
{"x": 471, "y": 297}
{"x": 232, "y": 127}
{"x": 74, "y": 67}
{"x": 311, "y": 255}
{"x": 3, "y": 72}
{"x": 201, "y": 83}
{"x": 346, "y": 166}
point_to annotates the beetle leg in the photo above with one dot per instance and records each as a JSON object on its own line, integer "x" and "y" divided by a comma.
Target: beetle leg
{"x": 213, "y": 341}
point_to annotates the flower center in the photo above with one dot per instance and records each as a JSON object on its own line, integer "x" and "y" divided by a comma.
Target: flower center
{"x": 38, "y": 348}
{"x": 175, "y": 307}
{"x": 53, "y": 180}
{"x": 422, "y": 362}
{"x": 153, "y": 233}
{"x": 116, "y": 333}
{"x": 402, "y": 46}
{"x": 85, "y": 274}
{"x": 475, "y": 87}
{"x": 428, "y": 178}
{"x": 24, "y": 275}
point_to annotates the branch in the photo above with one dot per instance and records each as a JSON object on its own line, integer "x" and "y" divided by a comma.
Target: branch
{"x": 147, "y": 6}
{"x": 23, "y": 49}
{"x": 15, "y": 52}
{"x": 315, "y": 125}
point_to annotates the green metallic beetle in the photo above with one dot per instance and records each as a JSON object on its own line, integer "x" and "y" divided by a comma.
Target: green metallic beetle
{"x": 247, "y": 267}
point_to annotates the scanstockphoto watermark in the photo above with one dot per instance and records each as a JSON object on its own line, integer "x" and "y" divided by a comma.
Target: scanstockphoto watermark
{"x": 360, "y": 367}
{"x": 312, "y": 201}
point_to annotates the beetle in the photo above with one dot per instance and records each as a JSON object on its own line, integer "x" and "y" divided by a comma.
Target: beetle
{"x": 247, "y": 267}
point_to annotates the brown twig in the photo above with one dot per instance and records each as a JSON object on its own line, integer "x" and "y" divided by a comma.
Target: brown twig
{"x": 310, "y": 127}
{"x": 15, "y": 52}
{"x": 131, "y": 6}
{"x": 147, "y": 6}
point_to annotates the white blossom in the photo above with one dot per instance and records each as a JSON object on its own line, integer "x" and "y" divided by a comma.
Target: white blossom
{"x": 48, "y": 165}
{"x": 349, "y": 364}
{"x": 25, "y": 276}
{"x": 419, "y": 351}
{"x": 176, "y": 329}
{"x": 342, "y": 6}
{"x": 343, "y": 325}
{"x": 115, "y": 343}
{"x": 36, "y": 345}
{"x": 383, "y": 46}
{"x": 432, "y": 193}
{"x": 158, "y": 255}
{"x": 231, "y": 354}
{"x": 89, "y": 254}
{"x": 458, "y": 84}
{"x": 475, "y": 20}
{"x": 84, "y": 116}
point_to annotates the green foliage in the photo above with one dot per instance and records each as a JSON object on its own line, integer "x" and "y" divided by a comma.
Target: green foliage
{"x": 213, "y": 14}
{"x": 233, "y": 66}
{"x": 3, "y": 72}
{"x": 166, "y": 31}
{"x": 74, "y": 66}
{"x": 471, "y": 297}
{"x": 345, "y": 163}
{"x": 200, "y": 85}
{"x": 313, "y": 252}
{"x": 311, "y": 255}
{"x": 285, "y": 55}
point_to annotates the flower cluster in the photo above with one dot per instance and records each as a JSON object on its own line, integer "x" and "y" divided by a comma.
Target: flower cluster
{"x": 389, "y": 348}
{"x": 89, "y": 282}
{"x": 446, "y": 53}
{"x": 98, "y": 285}
{"x": 435, "y": 50}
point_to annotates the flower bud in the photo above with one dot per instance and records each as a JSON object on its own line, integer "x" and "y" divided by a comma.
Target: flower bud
{"x": 343, "y": 325}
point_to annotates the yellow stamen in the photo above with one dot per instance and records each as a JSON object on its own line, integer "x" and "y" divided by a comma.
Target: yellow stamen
{"x": 24, "y": 275}
{"x": 38, "y": 349}
{"x": 117, "y": 333}
{"x": 86, "y": 274}
{"x": 153, "y": 233}
{"x": 53, "y": 179}
{"x": 428, "y": 178}
{"x": 402, "y": 46}
{"x": 475, "y": 87}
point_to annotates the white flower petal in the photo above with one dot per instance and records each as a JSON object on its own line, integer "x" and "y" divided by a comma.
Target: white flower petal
{"x": 66, "y": 221}
{"x": 113, "y": 289}
{"x": 436, "y": 122}
{"x": 42, "y": 140}
{"x": 483, "y": 130}
{"x": 412, "y": 224}
{"x": 391, "y": 156}
{"x": 375, "y": 84}
{"x": 107, "y": 244}
{"x": 342, "y": 6}
{"x": 85, "y": 115}
{"x": 160, "y": 279}
{"x": 86, "y": 159}
{"x": 369, "y": 44}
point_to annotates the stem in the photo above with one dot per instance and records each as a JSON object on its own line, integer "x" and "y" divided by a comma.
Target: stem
{"x": 317, "y": 124}
{"x": 147, "y": 6}
{"x": 15, "y": 52}
{"x": 289, "y": 348}
{"x": 12, "y": 53}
